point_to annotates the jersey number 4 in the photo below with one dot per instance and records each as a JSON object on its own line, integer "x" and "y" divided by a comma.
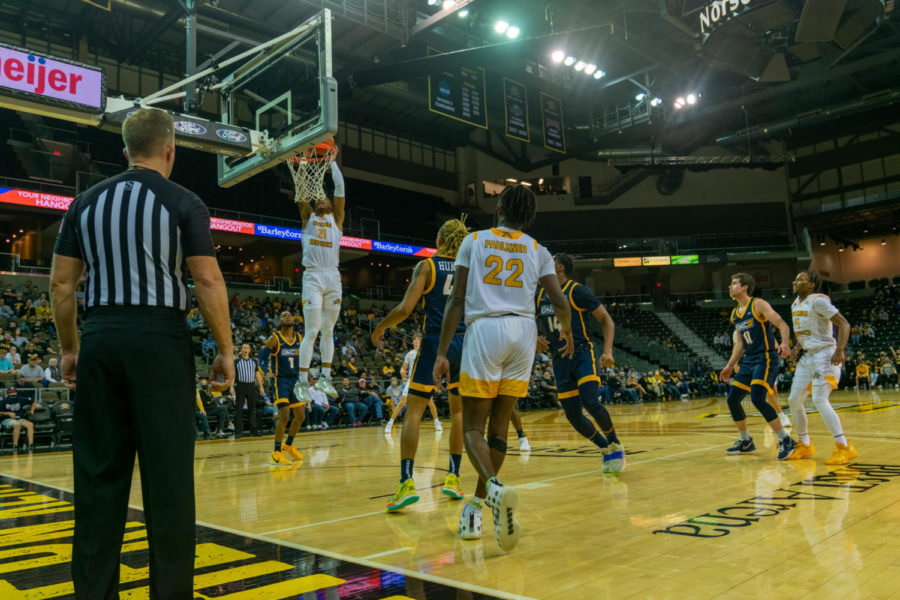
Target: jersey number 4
{"x": 448, "y": 284}
{"x": 495, "y": 264}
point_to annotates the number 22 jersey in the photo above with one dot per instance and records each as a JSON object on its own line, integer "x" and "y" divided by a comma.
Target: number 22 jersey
{"x": 504, "y": 268}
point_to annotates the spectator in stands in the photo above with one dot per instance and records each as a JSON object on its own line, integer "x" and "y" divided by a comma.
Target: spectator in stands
{"x": 209, "y": 347}
{"x": 6, "y": 343}
{"x": 648, "y": 381}
{"x": 868, "y": 330}
{"x": 194, "y": 319}
{"x": 14, "y": 408}
{"x": 394, "y": 392}
{"x": 42, "y": 310}
{"x": 862, "y": 374}
{"x": 349, "y": 399}
{"x": 546, "y": 387}
{"x": 321, "y": 413}
{"x": 348, "y": 351}
{"x": 6, "y": 364}
{"x": 371, "y": 397}
{"x": 215, "y": 405}
{"x": 633, "y": 384}
{"x": 14, "y": 356}
{"x": 5, "y": 311}
{"x": 52, "y": 373}
{"x": 889, "y": 374}
{"x": 856, "y": 334}
{"x": 200, "y": 414}
{"x": 19, "y": 339}
{"x": 31, "y": 371}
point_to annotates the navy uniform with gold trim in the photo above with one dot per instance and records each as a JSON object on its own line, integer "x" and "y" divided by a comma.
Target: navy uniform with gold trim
{"x": 759, "y": 364}
{"x": 434, "y": 299}
{"x": 287, "y": 368}
{"x": 582, "y": 366}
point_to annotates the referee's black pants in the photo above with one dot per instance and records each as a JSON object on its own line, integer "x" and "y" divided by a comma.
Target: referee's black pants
{"x": 248, "y": 392}
{"x": 135, "y": 395}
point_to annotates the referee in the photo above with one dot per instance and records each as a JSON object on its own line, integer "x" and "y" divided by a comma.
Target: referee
{"x": 134, "y": 234}
{"x": 249, "y": 388}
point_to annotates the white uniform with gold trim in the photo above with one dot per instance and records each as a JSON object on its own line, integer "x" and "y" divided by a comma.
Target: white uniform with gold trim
{"x": 408, "y": 361}
{"x": 504, "y": 268}
{"x": 321, "y": 250}
{"x": 811, "y": 319}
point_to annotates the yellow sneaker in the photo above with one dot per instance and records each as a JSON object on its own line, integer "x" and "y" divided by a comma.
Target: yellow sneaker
{"x": 843, "y": 453}
{"x": 405, "y": 496}
{"x": 292, "y": 452}
{"x": 801, "y": 450}
{"x": 451, "y": 487}
{"x": 278, "y": 458}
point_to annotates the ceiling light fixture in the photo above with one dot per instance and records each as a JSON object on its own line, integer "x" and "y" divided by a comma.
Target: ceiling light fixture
{"x": 448, "y": 4}
{"x": 558, "y": 56}
{"x": 656, "y": 102}
{"x": 501, "y": 26}
{"x": 513, "y": 32}
{"x": 692, "y": 99}
{"x": 590, "y": 69}
{"x": 463, "y": 13}
{"x": 570, "y": 60}
{"x": 640, "y": 97}
{"x": 598, "y": 74}
{"x": 580, "y": 65}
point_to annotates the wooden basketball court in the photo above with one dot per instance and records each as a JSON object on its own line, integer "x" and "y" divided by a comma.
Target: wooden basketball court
{"x": 683, "y": 521}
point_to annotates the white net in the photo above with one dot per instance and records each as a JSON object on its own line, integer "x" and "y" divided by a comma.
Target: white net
{"x": 308, "y": 170}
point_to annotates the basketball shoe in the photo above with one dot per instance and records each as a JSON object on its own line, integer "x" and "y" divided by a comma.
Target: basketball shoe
{"x": 502, "y": 500}
{"x": 325, "y": 386}
{"x": 614, "y": 458}
{"x": 786, "y": 448}
{"x": 405, "y": 496}
{"x": 301, "y": 392}
{"x": 291, "y": 451}
{"x": 843, "y": 453}
{"x": 451, "y": 487}
{"x": 469, "y": 527}
{"x": 741, "y": 447}
{"x": 803, "y": 451}
{"x": 278, "y": 458}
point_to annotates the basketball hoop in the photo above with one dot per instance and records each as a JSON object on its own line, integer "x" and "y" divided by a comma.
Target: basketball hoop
{"x": 308, "y": 169}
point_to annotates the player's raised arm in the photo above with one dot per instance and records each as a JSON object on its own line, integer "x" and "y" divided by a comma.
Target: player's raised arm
{"x": 340, "y": 195}
{"x": 306, "y": 209}
{"x": 784, "y": 349}
{"x": 420, "y": 280}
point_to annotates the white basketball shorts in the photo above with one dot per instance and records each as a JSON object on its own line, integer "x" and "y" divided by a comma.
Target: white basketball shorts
{"x": 497, "y": 356}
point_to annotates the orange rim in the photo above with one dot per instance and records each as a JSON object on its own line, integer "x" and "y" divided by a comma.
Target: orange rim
{"x": 318, "y": 153}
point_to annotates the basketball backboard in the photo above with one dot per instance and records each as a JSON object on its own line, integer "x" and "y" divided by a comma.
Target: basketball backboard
{"x": 287, "y": 94}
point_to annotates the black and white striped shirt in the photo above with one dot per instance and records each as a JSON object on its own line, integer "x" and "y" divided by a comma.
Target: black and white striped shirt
{"x": 134, "y": 232}
{"x": 246, "y": 370}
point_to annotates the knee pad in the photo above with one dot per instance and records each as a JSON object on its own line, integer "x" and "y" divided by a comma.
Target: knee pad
{"x": 497, "y": 443}
{"x": 758, "y": 395}
{"x": 735, "y": 396}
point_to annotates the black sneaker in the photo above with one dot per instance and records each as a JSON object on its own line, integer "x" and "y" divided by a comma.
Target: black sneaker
{"x": 786, "y": 448}
{"x": 741, "y": 447}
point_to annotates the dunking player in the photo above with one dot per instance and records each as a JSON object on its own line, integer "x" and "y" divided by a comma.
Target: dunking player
{"x": 322, "y": 230}
{"x": 819, "y": 368}
{"x": 753, "y": 320}
{"x": 577, "y": 380}
{"x": 285, "y": 345}
{"x": 406, "y": 373}
{"x": 431, "y": 281}
{"x": 497, "y": 273}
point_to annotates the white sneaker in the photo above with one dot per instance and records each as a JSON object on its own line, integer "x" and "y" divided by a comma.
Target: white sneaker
{"x": 785, "y": 420}
{"x": 301, "y": 392}
{"x": 388, "y": 425}
{"x": 438, "y": 426}
{"x": 325, "y": 386}
{"x": 524, "y": 446}
{"x": 503, "y": 499}
{"x": 469, "y": 527}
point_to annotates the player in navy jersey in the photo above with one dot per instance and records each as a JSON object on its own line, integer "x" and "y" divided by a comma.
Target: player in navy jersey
{"x": 754, "y": 321}
{"x": 577, "y": 379}
{"x": 431, "y": 282}
{"x": 283, "y": 346}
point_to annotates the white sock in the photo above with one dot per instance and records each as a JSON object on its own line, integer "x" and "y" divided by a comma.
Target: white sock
{"x": 841, "y": 439}
{"x": 326, "y": 372}
{"x": 744, "y": 433}
{"x": 782, "y": 434}
{"x": 390, "y": 422}
{"x": 304, "y": 376}
{"x": 805, "y": 439}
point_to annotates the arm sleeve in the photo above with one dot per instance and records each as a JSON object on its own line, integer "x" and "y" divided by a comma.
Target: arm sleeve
{"x": 67, "y": 243}
{"x": 545, "y": 263}
{"x": 196, "y": 239}
{"x": 824, "y": 308}
{"x": 464, "y": 254}
{"x": 584, "y": 298}
{"x": 338, "y": 179}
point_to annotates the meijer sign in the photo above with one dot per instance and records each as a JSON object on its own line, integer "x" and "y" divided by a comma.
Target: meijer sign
{"x": 24, "y": 71}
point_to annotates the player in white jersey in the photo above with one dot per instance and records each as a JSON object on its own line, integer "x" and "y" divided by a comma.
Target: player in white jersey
{"x": 405, "y": 372}
{"x": 819, "y": 369}
{"x": 322, "y": 230}
{"x": 497, "y": 273}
